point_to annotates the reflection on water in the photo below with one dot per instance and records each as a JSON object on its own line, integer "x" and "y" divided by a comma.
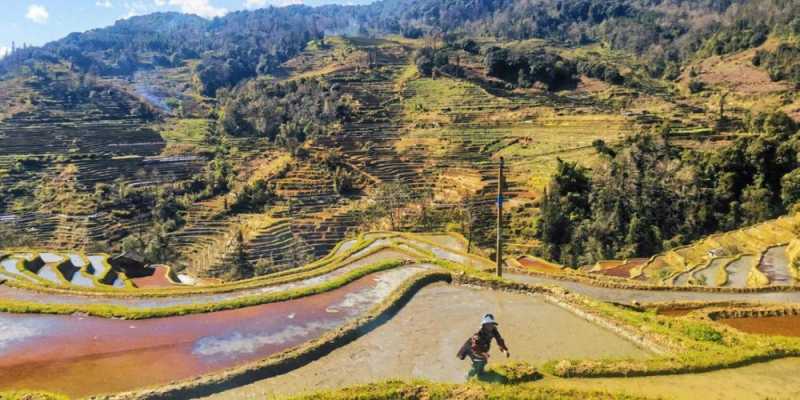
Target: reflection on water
{"x": 81, "y": 355}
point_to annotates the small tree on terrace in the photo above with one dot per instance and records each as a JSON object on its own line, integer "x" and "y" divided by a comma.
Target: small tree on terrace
{"x": 242, "y": 267}
{"x": 390, "y": 199}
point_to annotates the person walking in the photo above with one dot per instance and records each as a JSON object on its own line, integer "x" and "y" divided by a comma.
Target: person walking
{"x": 477, "y": 347}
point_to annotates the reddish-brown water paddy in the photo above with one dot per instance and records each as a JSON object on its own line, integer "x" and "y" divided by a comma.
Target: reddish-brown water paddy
{"x": 778, "y": 326}
{"x": 158, "y": 279}
{"x": 80, "y": 356}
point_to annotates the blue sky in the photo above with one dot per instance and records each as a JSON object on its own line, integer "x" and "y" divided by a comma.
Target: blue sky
{"x": 37, "y": 22}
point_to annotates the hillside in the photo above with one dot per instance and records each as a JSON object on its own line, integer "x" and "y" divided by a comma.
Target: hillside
{"x": 289, "y": 201}
{"x": 253, "y": 142}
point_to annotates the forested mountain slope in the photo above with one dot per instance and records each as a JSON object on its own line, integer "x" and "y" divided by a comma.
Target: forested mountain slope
{"x": 248, "y": 143}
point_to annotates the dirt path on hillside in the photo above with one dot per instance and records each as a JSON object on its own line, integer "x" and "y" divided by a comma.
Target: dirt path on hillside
{"x": 422, "y": 341}
{"x": 648, "y": 296}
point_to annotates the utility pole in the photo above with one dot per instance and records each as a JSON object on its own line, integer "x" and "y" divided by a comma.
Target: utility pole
{"x": 499, "y": 250}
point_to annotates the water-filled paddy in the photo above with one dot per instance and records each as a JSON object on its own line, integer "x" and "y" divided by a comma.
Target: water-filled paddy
{"x": 421, "y": 341}
{"x": 81, "y": 355}
{"x": 738, "y": 271}
{"x": 775, "y": 265}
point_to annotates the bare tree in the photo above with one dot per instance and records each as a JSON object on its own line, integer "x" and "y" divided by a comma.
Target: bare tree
{"x": 390, "y": 199}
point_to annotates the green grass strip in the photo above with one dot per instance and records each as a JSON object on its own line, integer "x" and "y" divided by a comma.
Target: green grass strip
{"x": 392, "y": 390}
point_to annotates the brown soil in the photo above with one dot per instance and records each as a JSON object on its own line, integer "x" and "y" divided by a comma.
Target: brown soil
{"x": 421, "y": 342}
{"x": 737, "y": 73}
{"x": 624, "y": 270}
{"x": 157, "y": 280}
{"x": 539, "y": 266}
{"x": 780, "y": 326}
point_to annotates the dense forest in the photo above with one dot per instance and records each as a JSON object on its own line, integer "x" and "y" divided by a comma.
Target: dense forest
{"x": 649, "y": 195}
{"x": 244, "y": 44}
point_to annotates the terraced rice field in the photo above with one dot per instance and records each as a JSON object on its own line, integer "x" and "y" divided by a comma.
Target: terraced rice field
{"x": 94, "y": 355}
{"x": 421, "y": 341}
{"x": 62, "y": 269}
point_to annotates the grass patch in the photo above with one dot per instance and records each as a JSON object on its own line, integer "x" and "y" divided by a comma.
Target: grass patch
{"x": 434, "y": 391}
{"x": 703, "y": 333}
{"x": 188, "y": 130}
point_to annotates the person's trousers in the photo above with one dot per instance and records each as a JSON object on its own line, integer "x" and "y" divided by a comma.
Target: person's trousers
{"x": 478, "y": 364}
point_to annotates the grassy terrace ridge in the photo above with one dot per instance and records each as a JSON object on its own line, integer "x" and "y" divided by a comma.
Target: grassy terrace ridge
{"x": 472, "y": 390}
{"x": 329, "y": 263}
{"x": 118, "y": 311}
{"x": 324, "y": 265}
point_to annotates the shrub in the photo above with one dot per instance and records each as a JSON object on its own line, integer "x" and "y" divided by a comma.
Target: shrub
{"x": 696, "y": 86}
{"x": 703, "y": 333}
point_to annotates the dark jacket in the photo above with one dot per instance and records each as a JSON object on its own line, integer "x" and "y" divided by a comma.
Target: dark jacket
{"x": 480, "y": 343}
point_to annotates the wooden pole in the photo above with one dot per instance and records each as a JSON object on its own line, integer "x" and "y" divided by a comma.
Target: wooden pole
{"x": 499, "y": 250}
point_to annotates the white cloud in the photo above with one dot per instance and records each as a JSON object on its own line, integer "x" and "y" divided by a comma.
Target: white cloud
{"x": 37, "y": 14}
{"x": 4, "y": 51}
{"x": 203, "y": 8}
{"x": 103, "y": 3}
{"x": 251, "y": 4}
{"x": 135, "y": 8}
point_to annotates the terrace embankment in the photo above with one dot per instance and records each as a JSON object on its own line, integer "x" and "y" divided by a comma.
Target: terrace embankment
{"x": 421, "y": 342}
{"x": 629, "y": 296}
{"x": 776, "y": 380}
{"x": 95, "y": 355}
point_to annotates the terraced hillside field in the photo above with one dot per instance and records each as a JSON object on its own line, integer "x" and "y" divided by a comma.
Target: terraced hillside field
{"x": 286, "y": 329}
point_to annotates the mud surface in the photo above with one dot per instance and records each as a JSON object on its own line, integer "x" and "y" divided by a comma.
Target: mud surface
{"x": 423, "y": 339}
{"x": 781, "y": 326}
{"x": 80, "y": 356}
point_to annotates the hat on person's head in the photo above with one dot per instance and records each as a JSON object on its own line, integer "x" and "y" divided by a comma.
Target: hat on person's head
{"x": 488, "y": 319}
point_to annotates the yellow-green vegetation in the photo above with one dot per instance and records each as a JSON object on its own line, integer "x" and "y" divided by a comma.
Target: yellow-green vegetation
{"x": 185, "y": 130}
{"x": 473, "y": 390}
{"x": 23, "y": 395}
{"x": 793, "y": 254}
